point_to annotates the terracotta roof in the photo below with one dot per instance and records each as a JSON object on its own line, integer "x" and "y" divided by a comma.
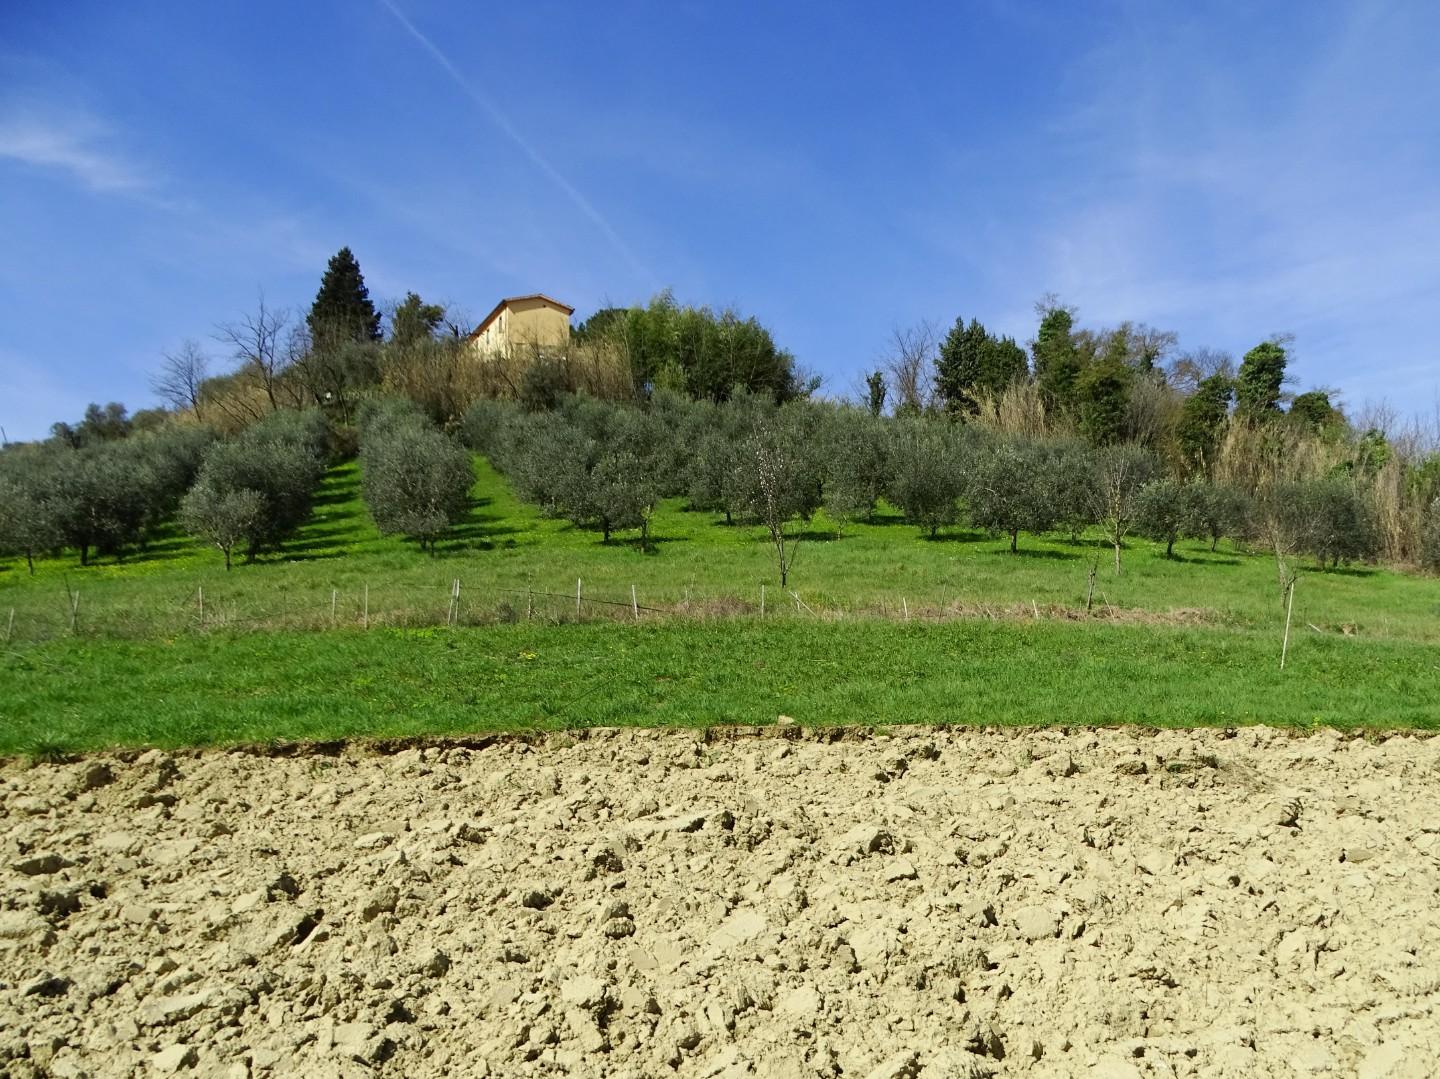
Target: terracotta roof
{"x": 516, "y": 299}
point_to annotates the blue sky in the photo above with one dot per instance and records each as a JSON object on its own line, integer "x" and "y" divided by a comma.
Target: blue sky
{"x": 1227, "y": 171}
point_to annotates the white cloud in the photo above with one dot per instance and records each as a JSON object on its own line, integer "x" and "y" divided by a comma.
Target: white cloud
{"x": 72, "y": 143}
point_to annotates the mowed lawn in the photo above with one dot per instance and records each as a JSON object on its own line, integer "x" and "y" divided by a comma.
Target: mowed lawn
{"x": 1193, "y": 640}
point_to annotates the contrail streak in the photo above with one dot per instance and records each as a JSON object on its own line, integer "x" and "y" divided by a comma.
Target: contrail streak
{"x": 503, "y": 123}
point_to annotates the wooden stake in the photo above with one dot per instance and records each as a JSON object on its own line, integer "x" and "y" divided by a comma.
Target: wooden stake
{"x": 529, "y": 605}
{"x": 200, "y": 598}
{"x": 634, "y": 603}
{"x": 577, "y": 599}
{"x": 10, "y": 626}
{"x": 365, "y": 615}
{"x": 333, "y": 593}
{"x": 762, "y": 601}
{"x": 905, "y": 606}
{"x": 1090, "y": 588}
{"x": 1035, "y": 609}
{"x": 1289, "y": 607}
{"x": 74, "y": 608}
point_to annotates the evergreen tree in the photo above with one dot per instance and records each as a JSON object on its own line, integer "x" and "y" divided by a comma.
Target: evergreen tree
{"x": 973, "y": 361}
{"x": 1202, "y": 418}
{"x": 342, "y": 311}
{"x": 1257, "y": 388}
{"x": 414, "y": 321}
{"x": 875, "y": 390}
{"x": 1314, "y": 410}
{"x": 1057, "y": 360}
{"x": 1102, "y": 391}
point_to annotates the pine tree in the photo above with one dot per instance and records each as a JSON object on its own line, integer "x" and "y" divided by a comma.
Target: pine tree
{"x": 1257, "y": 388}
{"x": 342, "y": 311}
{"x": 414, "y": 320}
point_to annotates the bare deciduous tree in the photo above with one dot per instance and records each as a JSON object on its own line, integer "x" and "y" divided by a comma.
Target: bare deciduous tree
{"x": 181, "y": 378}
{"x": 256, "y": 339}
{"x": 911, "y": 364}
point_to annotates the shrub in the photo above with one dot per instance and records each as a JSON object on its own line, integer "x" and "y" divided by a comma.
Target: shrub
{"x": 1430, "y": 538}
{"x": 1167, "y": 510}
{"x": 224, "y": 519}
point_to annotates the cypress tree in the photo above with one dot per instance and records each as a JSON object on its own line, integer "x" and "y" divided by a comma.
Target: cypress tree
{"x": 342, "y": 311}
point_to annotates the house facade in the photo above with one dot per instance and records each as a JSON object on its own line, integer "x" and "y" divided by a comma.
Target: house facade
{"x": 522, "y": 323}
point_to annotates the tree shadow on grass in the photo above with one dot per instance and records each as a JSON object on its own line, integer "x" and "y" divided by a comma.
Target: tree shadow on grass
{"x": 966, "y": 536}
{"x": 1342, "y": 571}
{"x": 1195, "y": 560}
{"x": 1039, "y": 552}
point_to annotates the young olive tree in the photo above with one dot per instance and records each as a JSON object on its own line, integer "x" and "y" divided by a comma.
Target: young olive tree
{"x": 1220, "y": 511}
{"x": 1121, "y": 472}
{"x": 777, "y": 482}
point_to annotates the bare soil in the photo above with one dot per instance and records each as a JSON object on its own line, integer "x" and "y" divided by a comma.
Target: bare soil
{"x": 933, "y": 903}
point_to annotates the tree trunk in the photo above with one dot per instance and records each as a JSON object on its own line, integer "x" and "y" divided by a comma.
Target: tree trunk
{"x": 1170, "y": 547}
{"x": 1214, "y": 542}
{"x": 30, "y": 561}
{"x": 728, "y": 521}
{"x": 84, "y": 554}
{"x": 1117, "y": 558}
{"x": 605, "y": 527}
{"x": 227, "y": 558}
{"x": 1014, "y": 540}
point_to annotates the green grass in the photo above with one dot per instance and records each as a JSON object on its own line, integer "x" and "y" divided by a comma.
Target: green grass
{"x": 224, "y": 688}
{"x": 141, "y": 668}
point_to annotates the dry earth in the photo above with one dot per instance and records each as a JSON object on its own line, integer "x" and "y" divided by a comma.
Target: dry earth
{"x": 934, "y": 903}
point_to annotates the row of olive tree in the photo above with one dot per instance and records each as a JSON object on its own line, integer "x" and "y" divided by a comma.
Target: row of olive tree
{"x": 102, "y": 496}
{"x": 255, "y": 490}
{"x": 605, "y": 466}
{"x": 416, "y": 480}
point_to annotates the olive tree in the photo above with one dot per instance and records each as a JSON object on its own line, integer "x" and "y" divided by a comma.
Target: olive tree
{"x": 222, "y": 518}
{"x": 856, "y": 464}
{"x": 1014, "y": 486}
{"x": 927, "y": 475}
{"x": 29, "y": 520}
{"x": 416, "y": 481}
{"x": 1169, "y": 510}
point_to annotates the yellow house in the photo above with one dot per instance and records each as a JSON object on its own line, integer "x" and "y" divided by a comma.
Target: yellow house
{"x": 522, "y": 323}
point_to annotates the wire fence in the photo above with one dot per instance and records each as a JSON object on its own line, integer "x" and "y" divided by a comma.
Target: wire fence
{"x": 98, "y": 614}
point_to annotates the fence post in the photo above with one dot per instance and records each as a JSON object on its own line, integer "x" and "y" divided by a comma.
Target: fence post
{"x": 529, "y": 604}
{"x": 577, "y": 599}
{"x": 634, "y": 603}
{"x": 762, "y": 601}
{"x": 365, "y": 615}
{"x": 10, "y": 626}
{"x": 1289, "y": 606}
{"x": 74, "y": 608}
{"x": 200, "y": 598}
{"x": 333, "y": 593}
{"x": 905, "y": 606}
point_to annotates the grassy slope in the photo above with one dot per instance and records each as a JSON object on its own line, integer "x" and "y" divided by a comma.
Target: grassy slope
{"x": 251, "y": 687}
{"x": 139, "y": 671}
